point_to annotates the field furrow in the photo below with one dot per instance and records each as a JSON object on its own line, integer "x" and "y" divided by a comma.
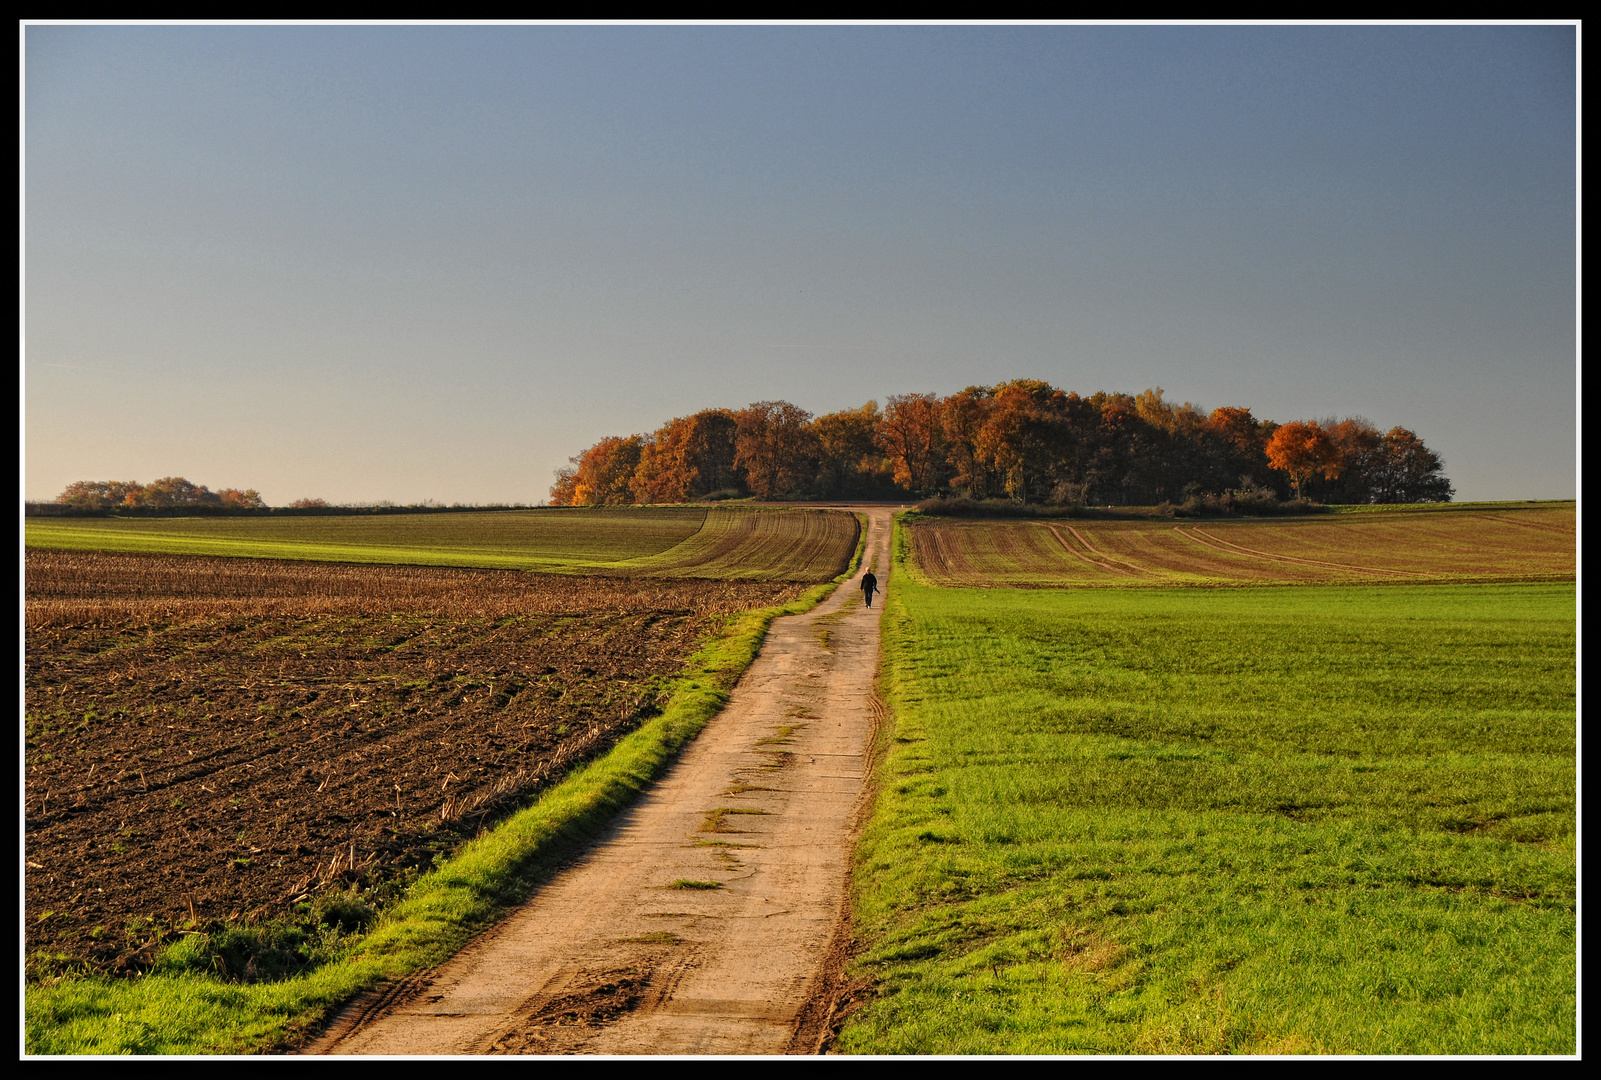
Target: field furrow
{"x": 1098, "y": 563}
{"x": 734, "y": 543}
{"x": 210, "y": 740}
{"x": 746, "y": 543}
{"x": 1534, "y": 544}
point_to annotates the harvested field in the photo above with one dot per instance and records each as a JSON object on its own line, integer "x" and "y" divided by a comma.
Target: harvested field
{"x": 751, "y": 543}
{"x": 214, "y": 739}
{"x": 1457, "y": 545}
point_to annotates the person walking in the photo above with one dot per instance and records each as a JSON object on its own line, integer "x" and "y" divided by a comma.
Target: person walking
{"x": 869, "y": 586}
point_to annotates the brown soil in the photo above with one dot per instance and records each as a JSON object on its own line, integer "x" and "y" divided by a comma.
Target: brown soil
{"x": 218, "y": 738}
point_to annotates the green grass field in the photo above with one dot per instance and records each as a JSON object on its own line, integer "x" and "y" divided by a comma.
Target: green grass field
{"x": 1278, "y": 819}
{"x": 746, "y": 542}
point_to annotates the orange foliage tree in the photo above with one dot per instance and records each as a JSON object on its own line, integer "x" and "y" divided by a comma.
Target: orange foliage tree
{"x": 963, "y": 416}
{"x": 912, "y": 436}
{"x": 601, "y": 476}
{"x": 1302, "y": 449}
{"x": 1237, "y": 442}
{"x": 1024, "y": 439}
{"x": 234, "y": 499}
{"x": 687, "y": 458}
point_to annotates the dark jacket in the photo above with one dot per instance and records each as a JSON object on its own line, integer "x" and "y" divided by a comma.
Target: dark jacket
{"x": 869, "y": 582}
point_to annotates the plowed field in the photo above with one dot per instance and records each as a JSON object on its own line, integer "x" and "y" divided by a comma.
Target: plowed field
{"x": 215, "y": 738}
{"x": 1535, "y": 544}
{"x": 749, "y": 543}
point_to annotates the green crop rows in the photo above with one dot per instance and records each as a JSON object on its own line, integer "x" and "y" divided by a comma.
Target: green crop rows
{"x": 747, "y": 543}
{"x": 550, "y": 540}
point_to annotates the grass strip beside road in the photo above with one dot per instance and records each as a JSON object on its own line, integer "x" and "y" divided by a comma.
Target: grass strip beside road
{"x": 1279, "y": 819}
{"x": 168, "y": 1012}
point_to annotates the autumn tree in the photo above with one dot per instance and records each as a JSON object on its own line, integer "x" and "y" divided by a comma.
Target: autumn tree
{"x": 849, "y": 462}
{"x": 963, "y": 416}
{"x": 601, "y": 475}
{"x": 776, "y": 447}
{"x": 1303, "y": 450}
{"x": 1358, "y": 449}
{"x": 170, "y": 492}
{"x": 565, "y": 489}
{"x": 1123, "y": 475}
{"x": 1176, "y": 441}
{"x": 1025, "y": 442}
{"x": 100, "y": 494}
{"x": 234, "y": 499}
{"x": 1238, "y": 447}
{"x": 1409, "y": 471}
{"x": 687, "y": 458}
{"x": 1024, "y": 439}
{"x": 911, "y": 435}
{"x": 174, "y": 491}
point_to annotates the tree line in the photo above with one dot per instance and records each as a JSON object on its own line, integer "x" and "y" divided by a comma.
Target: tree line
{"x": 1023, "y": 440}
{"x": 176, "y": 496}
{"x": 168, "y": 493}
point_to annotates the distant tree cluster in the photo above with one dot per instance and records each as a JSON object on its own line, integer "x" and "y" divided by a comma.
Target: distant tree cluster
{"x": 1023, "y": 440}
{"x": 170, "y": 492}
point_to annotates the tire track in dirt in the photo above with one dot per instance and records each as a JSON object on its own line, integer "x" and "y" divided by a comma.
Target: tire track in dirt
{"x": 1133, "y": 569}
{"x": 1076, "y": 553}
{"x": 1232, "y": 548}
{"x": 702, "y": 921}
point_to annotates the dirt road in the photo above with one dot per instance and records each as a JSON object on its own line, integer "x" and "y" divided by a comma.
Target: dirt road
{"x": 701, "y": 922}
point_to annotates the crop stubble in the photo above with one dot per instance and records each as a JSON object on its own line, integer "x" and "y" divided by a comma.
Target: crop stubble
{"x": 215, "y": 738}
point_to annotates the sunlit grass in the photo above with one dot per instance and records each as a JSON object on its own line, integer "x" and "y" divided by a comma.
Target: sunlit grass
{"x": 1256, "y": 820}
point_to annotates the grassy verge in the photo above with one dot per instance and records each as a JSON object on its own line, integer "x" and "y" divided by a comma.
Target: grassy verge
{"x": 1264, "y": 820}
{"x": 171, "y": 1010}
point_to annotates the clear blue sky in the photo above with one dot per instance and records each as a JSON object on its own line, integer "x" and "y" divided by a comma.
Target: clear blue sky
{"x": 401, "y": 263}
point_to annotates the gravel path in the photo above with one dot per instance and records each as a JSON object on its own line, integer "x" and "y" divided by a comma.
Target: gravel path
{"x": 702, "y": 922}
